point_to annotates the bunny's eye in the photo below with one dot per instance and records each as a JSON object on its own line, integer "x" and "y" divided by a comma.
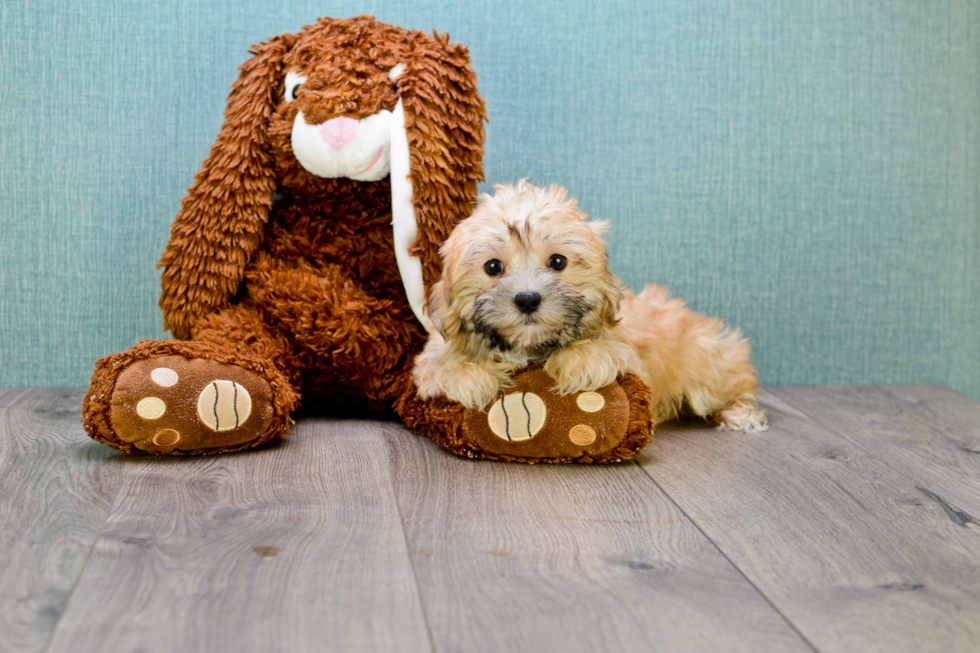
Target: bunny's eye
{"x": 394, "y": 73}
{"x": 293, "y": 83}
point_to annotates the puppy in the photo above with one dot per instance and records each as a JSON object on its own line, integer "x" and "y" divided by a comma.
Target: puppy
{"x": 525, "y": 280}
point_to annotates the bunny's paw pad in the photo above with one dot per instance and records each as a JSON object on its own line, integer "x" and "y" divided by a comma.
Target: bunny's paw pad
{"x": 529, "y": 421}
{"x": 168, "y": 403}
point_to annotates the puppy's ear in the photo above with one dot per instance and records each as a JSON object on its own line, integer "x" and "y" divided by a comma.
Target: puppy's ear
{"x": 222, "y": 217}
{"x": 599, "y": 228}
{"x": 612, "y": 297}
{"x": 436, "y": 307}
{"x": 612, "y": 286}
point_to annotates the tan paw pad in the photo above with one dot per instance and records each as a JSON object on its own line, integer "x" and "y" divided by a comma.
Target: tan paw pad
{"x": 166, "y": 438}
{"x": 517, "y": 416}
{"x": 582, "y": 435}
{"x": 590, "y": 402}
{"x": 164, "y": 377}
{"x": 151, "y": 408}
{"x": 224, "y": 405}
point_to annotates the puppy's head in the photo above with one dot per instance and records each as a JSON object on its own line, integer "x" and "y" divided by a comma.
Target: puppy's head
{"x": 526, "y": 270}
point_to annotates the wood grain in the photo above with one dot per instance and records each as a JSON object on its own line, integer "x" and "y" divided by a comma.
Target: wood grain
{"x": 930, "y": 434}
{"x": 853, "y": 524}
{"x": 838, "y": 541}
{"x": 567, "y": 558}
{"x": 56, "y": 488}
{"x": 11, "y": 396}
{"x": 297, "y": 547}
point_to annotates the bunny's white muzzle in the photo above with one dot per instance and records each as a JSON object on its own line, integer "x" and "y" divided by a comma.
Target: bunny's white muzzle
{"x": 344, "y": 147}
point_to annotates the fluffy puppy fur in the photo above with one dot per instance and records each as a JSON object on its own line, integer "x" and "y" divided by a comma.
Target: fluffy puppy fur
{"x": 525, "y": 280}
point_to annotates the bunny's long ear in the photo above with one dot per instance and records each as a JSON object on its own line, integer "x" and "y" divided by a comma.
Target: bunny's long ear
{"x": 436, "y": 158}
{"x": 222, "y": 217}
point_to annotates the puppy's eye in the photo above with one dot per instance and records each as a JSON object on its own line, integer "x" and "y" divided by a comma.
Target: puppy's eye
{"x": 493, "y": 267}
{"x": 293, "y": 82}
{"x": 557, "y": 262}
{"x": 397, "y": 87}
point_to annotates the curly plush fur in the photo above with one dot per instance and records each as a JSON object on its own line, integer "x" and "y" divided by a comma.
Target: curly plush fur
{"x": 222, "y": 223}
{"x": 268, "y": 262}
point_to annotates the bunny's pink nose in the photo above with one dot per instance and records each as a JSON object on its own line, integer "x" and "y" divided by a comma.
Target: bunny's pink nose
{"x": 338, "y": 132}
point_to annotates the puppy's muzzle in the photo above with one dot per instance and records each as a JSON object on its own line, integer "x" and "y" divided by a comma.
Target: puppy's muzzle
{"x": 527, "y": 302}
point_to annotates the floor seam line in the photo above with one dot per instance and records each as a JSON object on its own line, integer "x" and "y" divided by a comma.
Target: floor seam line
{"x": 408, "y": 550}
{"x": 741, "y": 573}
{"x": 88, "y": 558}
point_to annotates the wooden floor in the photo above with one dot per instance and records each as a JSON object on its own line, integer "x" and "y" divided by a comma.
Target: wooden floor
{"x": 852, "y": 524}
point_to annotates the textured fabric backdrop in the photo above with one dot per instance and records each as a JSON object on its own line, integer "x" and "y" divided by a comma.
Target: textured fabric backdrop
{"x": 805, "y": 169}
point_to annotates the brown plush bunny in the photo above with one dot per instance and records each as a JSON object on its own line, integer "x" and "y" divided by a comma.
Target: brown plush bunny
{"x": 300, "y": 261}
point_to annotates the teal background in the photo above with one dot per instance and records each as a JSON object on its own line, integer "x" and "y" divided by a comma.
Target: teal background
{"x": 806, "y": 169}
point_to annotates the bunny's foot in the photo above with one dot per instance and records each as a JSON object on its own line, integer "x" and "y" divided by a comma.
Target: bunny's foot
{"x": 529, "y": 422}
{"x": 172, "y": 397}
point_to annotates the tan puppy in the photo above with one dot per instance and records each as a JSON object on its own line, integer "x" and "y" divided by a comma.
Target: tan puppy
{"x": 525, "y": 280}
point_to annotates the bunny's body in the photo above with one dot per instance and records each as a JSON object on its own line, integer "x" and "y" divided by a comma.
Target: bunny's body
{"x": 330, "y": 286}
{"x": 299, "y": 262}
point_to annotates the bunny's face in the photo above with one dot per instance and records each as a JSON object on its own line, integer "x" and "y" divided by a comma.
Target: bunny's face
{"x": 339, "y": 146}
{"x": 339, "y": 104}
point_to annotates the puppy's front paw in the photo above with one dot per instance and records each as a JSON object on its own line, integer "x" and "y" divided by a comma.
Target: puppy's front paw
{"x": 588, "y": 365}
{"x": 471, "y": 385}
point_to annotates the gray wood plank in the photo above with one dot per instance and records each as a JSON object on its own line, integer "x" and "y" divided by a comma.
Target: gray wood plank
{"x": 296, "y": 547}
{"x": 838, "y": 541}
{"x": 69, "y": 399}
{"x": 928, "y": 433}
{"x": 7, "y": 395}
{"x": 568, "y": 558}
{"x": 11, "y": 396}
{"x": 951, "y": 414}
{"x": 56, "y": 488}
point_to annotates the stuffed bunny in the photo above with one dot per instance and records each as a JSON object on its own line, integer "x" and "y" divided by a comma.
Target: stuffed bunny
{"x": 299, "y": 263}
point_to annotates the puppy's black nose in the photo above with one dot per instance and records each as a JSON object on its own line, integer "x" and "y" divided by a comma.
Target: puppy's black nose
{"x": 527, "y": 302}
